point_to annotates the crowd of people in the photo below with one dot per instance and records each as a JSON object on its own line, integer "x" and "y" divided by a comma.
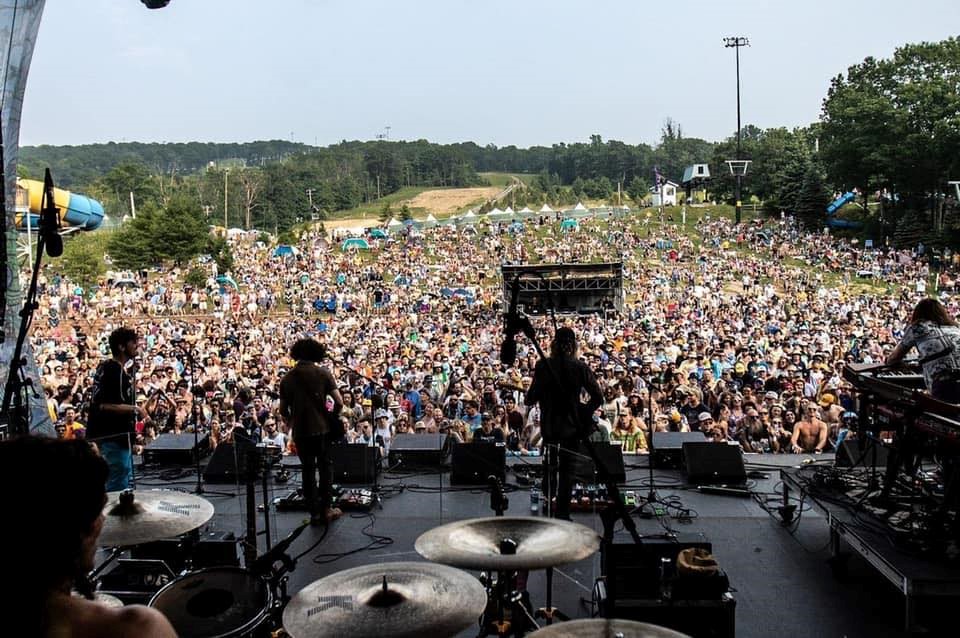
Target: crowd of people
{"x": 740, "y": 332}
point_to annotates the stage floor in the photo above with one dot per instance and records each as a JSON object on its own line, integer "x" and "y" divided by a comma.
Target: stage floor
{"x": 783, "y": 584}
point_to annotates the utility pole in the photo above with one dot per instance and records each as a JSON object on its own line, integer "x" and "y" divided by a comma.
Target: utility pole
{"x": 310, "y": 197}
{"x": 133, "y": 207}
{"x": 226, "y": 223}
{"x": 735, "y": 43}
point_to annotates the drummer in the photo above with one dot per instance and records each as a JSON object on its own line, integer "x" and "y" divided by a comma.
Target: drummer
{"x": 50, "y": 551}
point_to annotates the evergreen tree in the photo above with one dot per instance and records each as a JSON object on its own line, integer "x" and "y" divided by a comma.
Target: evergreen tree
{"x": 812, "y": 200}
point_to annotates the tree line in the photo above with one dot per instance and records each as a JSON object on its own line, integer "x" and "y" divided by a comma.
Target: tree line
{"x": 889, "y": 129}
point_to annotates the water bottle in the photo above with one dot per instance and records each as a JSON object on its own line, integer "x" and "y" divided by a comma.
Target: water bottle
{"x": 535, "y": 497}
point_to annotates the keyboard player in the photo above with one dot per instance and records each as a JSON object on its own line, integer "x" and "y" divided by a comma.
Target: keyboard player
{"x": 936, "y": 336}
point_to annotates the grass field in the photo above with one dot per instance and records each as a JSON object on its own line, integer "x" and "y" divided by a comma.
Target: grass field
{"x": 372, "y": 209}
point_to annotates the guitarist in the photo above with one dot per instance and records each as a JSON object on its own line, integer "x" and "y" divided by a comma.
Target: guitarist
{"x": 558, "y": 383}
{"x": 314, "y": 423}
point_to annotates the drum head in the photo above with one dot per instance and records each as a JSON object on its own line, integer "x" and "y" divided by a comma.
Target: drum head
{"x": 214, "y": 603}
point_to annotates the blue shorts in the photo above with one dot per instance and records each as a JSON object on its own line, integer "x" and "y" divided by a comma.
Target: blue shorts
{"x": 119, "y": 460}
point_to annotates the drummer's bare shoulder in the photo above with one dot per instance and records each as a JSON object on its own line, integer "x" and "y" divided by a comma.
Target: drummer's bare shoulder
{"x": 91, "y": 619}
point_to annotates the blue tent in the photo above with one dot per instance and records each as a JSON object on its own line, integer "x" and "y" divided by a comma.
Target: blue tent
{"x": 446, "y": 292}
{"x": 569, "y": 224}
{"x": 376, "y": 233}
{"x": 284, "y": 250}
{"x": 355, "y": 242}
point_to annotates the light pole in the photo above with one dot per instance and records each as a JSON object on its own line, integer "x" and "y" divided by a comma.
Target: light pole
{"x": 226, "y": 224}
{"x": 736, "y": 42}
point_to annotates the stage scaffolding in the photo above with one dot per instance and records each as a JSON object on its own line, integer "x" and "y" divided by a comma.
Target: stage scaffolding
{"x": 568, "y": 287}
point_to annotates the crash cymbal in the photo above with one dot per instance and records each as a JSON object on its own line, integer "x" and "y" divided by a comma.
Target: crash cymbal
{"x": 507, "y": 543}
{"x": 135, "y": 517}
{"x": 392, "y": 600}
{"x": 104, "y": 599}
{"x": 605, "y": 628}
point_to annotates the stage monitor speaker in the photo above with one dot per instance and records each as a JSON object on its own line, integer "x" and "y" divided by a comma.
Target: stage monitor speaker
{"x": 611, "y": 455}
{"x": 473, "y": 463}
{"x": 176, "y": 449}
{"x": 417, "y": 451}
{"x": 231, "y": 463}
{"x": 668, "y": 447}
{"x": 355, "y": 463}
{"x": 714, "y": 463}
{"x": 851, "y": 454}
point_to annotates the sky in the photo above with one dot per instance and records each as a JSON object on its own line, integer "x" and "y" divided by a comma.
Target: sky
{"x": 503, "y": 72}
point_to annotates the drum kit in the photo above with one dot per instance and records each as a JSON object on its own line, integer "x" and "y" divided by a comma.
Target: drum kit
{"x": 387, "y": 600}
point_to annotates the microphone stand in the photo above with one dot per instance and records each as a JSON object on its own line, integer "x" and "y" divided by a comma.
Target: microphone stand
{"x": 17, "y": 382}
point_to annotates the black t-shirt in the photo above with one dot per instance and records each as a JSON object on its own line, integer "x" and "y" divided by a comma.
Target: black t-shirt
{"x": 495, "y": 436}
{"x": 110, "y": 385}
{"x": 562, "y": 415}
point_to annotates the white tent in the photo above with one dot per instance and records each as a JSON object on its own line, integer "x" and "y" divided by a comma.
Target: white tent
{"x": 394, "y": 225}
{"x": 495, "y": 212}
{"x": 546, "y": 209}
{"x": 579, "y": 206}
{"x": 429, "y": 222}
{"x": 525, "y": 210}
{"x": 468, "y": 218}
{"x": 509, "y": 211}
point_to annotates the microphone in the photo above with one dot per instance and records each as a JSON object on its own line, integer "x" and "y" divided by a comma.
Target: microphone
{"x": 508, "y": 349}
{"x": 263, "y": 564}
{"x": 50, "y": 220}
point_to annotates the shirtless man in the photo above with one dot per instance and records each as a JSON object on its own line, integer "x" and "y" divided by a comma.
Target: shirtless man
{"x": 53, "y": 548}
{"x": 809, "y": 433}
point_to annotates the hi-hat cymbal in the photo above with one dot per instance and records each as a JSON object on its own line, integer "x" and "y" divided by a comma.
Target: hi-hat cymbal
{"x": 135, "y": 517}
{"x": 605, "y": 628}
{"x": 392, "y": 600}
{"x": 507, "y": 543}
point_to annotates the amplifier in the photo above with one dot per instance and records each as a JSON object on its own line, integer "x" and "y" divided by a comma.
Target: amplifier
{"x": 634, "y": 571}
{"x": 417, "y": 451}
{"x": 176, "y": 449}
{"x": 610, "y": 455}
{"x": 354, "y": 463}
{"x": 135, "y": 580}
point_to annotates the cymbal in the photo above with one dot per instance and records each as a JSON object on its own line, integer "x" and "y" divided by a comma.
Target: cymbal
{"x": 104, "y": 599}
{"x": 134, "y": 517}
{"x": 605, "y": 628}
{"x": 391, "y": 600}
{"x": 507, "y": 543}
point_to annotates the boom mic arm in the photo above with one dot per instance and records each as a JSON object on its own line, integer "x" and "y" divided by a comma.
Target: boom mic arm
{"x": 50, "y": 219}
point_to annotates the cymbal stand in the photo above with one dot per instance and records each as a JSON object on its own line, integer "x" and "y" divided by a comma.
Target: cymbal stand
{"x": 506, "y": 591}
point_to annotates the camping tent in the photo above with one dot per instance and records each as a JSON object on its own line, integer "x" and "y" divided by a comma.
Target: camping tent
{"x": 356, "y": 243}
{"x": 284, "y": 250}
{"x": 226, "y": 280}
{"x": 377, "y": 233}
{"x": 569, "y": 224}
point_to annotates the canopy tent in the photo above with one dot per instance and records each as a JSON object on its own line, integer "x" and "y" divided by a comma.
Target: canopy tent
{"x": 579, "y": 206}
{"x": 525, "y": 211}
{"x": 283, "y": 250}
{"x": 546, "y": 209}
{"x": 494, "y": 212}
{"x": 235, "y": 232}
{"x": 509, "y": 211}
{"x": 394, "y": 225}
{"x": 429, "y": 222}
{"x": 569, "y": 224}
{"x": 377, "y": 233}
{"x": 468, "y": 218}
{"x": 355, "y": 243}
{"x": 227, "y": 280}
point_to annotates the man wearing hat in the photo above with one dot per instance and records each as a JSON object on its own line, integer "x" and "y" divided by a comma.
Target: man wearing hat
{"x": 558, "y": 382}
{"x": 304, "y": 393}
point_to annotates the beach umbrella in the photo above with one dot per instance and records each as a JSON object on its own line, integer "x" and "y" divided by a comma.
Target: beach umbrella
{"x": 226, "y": 280}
